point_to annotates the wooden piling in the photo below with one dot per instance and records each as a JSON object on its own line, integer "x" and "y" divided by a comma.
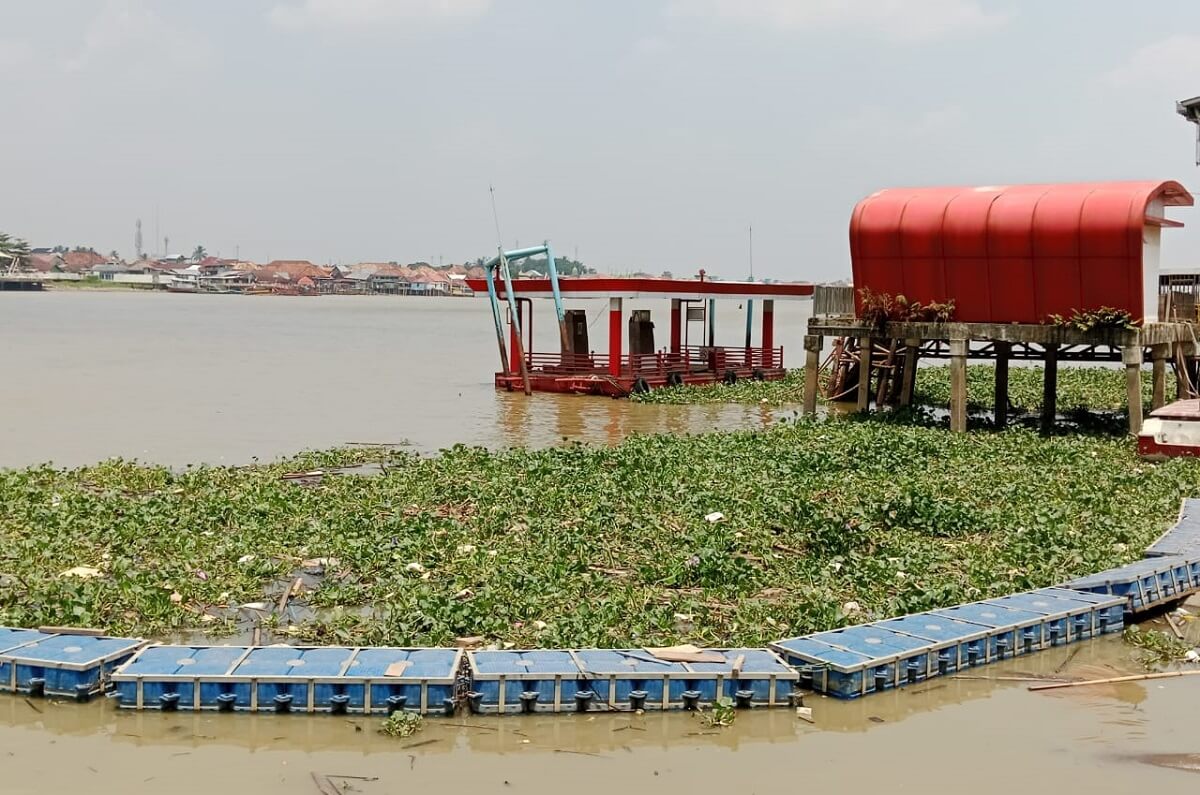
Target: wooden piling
{"x": 1132, "y": 358}
{"x": 1000, "y": 408}
{"x": 909, "y": 379}
{"x": 1050, "y": 389}
{"x": 958, "y": 385}
{"x": 864, "y": 374}
{"x": 812, "y": 366}
{"x": 1159, "y": 354}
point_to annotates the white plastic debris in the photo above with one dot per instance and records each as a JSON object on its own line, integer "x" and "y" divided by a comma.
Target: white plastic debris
{"x": 176, "y": 597}
{"x": 414, "y": 567}
{"x": 244, "y": 559}
{"x": 540, "y": 625}
{"x": 1192, "y": 656}
{"x": 850, "y": 608}
{"x": 714, "y": 517}
{"x": 466, "y": 549}
{"x": 82, "y": 572}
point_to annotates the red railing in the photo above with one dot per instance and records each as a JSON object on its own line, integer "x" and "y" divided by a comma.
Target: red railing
{"x": 690, "y": 359}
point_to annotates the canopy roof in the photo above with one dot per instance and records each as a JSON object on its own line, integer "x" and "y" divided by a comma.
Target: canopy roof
{"x": 1012, "y": 253}
{"x": 686, "y": 289}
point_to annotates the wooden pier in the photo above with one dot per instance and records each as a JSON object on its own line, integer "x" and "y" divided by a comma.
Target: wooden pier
{"x": 1003, "y": 342}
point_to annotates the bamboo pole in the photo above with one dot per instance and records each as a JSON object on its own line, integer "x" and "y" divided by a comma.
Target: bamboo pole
{"x": 1112, "y": 680}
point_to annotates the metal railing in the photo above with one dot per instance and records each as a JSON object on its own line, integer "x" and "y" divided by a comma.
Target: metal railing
{"x": 690, "y": 359}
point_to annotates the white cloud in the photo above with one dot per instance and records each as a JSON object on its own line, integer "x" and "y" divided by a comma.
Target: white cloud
{"x": 1166, "y": 66}
{"x": 127, "y": 32}
{"x": 367, "y": 13}
{"x": 893, "y": 19}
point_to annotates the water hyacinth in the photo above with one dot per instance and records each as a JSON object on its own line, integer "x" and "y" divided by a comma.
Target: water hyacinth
{"x": 819, "y": 518}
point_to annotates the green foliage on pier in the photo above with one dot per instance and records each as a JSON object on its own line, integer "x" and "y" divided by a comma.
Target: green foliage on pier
{"x": 821, "y": 524}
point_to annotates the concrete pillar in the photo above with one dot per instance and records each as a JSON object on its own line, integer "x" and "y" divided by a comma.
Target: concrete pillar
{"x": 768, "y": 334}
{"x": 614, "y": 337}
{"x": 1050, "y": 389}
{"x": 1132, "y": 359}
{"x": 958, "y": 385}
{"x": 909, "y": 380}
{"x": 864, "y": 374}
{"x": 1000, "y": 407}
{"x": 812, "y": 364}
{"x": 1158, "y": 355}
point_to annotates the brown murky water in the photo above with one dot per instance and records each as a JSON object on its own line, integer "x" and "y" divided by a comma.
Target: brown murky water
{"x": 179, "y": 379}
{"x": 952, "y": 735}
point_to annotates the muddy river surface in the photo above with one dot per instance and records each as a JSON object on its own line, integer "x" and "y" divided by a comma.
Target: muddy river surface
{"x": 178, "y": 379}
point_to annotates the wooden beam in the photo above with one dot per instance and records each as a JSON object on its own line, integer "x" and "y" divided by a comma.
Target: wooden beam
{"x": 1132, "y": 358}
{"x": 1159, "y": 354}
{"x": 909, "y": 380}
{"x": 812, "y": 365}
{"x": 958, "y": 385}
{"x": 1000, "y": 410}
{"x": 864, "y": 374}
{"x": 1050, "y": 389}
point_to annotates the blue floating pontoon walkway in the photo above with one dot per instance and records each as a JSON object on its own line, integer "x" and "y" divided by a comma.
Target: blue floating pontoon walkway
{"x": 1184, "y": 537}
{"x": 868, "y": 658}
{"x": 59, "y": 664}
{"x": 290, "y": 678}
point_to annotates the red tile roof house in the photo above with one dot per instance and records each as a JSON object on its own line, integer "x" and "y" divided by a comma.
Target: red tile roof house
{"x": 82, "y": 261}
{"x": 427, "y": 281}
{"x": 291, "y": 271}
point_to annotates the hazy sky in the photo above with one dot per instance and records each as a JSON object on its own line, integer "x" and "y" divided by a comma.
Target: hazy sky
{"x": 642, "y": 133}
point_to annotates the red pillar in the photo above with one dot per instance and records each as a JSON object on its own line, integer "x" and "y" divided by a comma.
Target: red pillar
{"x": 614, "y": 337}
{"x": 514, "y": 333}
{"x": 676, "y": 328}
{"x": 768, "y": 334}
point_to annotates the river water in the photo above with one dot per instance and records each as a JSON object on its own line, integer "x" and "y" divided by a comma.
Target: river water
{"x": 178, "y": 379}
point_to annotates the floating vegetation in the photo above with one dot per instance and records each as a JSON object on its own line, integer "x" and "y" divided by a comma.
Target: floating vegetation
{"x": 582, "y": 546}
{"x": 722, "y": 713}
{"x": 1096, "y": 389}
{"x": 1156, "y": 648}
{"x": 401, "y": 724}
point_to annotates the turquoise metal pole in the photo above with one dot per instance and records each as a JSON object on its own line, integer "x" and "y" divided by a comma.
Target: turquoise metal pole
{"x": 558, "y": 306}
{"x": 512, "y": 313}
{"x": 490, "y": 272}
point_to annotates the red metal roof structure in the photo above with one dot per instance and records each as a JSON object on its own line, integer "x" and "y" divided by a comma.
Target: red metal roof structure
{"x": 1015, "y": 253}
{"x": 685, "y": 289}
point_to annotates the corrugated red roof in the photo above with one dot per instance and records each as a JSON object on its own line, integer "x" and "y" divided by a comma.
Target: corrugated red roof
{"x": 1011, "y": 254}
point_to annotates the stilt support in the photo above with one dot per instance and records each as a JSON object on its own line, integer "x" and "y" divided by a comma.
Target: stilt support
{"x": 1132, "y": 358}
{"x": 909, "y": 380}
{"x": 1158, "y": 356}
{"x": 958, "y": 385}
{"x": 864, "y": 374}
{"x": 1050, "y": 390}
{"x": 812, "y": 363}
{"x": 1000, "y": 409}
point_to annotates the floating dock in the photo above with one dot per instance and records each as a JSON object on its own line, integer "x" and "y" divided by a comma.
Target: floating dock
{"x": 59, "y": 664}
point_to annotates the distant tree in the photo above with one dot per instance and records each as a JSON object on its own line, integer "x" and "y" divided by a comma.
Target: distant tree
{"x": 667, "y": 275}
{"x": 13, "y": 252}
{"x": 114, "y": 254}
{"x": 60, "y": 249}
{"x": 199, "y": 253}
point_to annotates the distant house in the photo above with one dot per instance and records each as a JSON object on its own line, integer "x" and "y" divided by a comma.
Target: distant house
{"x": 44, "y": 262}
{"x": 82, "y": 261}
{"x": 290, "y": 271}
{"x": 107, "y": 270}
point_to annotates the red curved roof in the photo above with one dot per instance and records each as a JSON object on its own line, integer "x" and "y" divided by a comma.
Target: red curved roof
{"x": 1014, "y": 253}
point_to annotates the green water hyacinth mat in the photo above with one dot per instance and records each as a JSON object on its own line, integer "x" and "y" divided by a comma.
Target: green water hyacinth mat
{"x": 720, "y": 540}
